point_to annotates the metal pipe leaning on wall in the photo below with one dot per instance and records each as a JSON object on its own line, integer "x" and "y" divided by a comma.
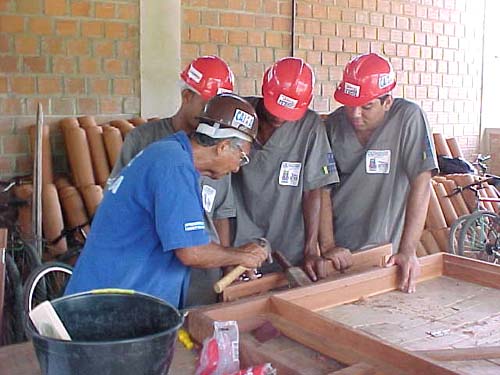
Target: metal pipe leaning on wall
{"x": 78, "y": 153}
{"x": 74, "y": 210}
{"x": 123, "y": 125}
{"x": 113, "y": 142}
{"x": 47, "y": 169}
{"x": 98, "y": 154}
{"x": 52, "y": 220}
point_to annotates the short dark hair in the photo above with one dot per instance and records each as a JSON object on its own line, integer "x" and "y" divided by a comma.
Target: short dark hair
{"x": 383, "y": 98}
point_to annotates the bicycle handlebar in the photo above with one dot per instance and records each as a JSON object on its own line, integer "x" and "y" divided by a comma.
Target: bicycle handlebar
{"x": 473, "y": 187}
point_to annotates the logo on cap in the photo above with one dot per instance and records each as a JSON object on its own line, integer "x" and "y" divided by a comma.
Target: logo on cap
{"x": 242, "y": 118}
{"x": 194, "y": 74}
{"x": 385, "y": 80}
{"x": 286, "y": 101}
{"x": 352, "y": 90}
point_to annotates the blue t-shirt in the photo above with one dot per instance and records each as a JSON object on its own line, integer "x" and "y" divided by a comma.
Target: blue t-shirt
{"x": 152, "y": 208}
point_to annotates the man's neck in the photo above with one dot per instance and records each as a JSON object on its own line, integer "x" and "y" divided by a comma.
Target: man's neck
{"x": 179, "y": 123}
{"x": 364, "y": 136}
{"x": 265, "y": 132}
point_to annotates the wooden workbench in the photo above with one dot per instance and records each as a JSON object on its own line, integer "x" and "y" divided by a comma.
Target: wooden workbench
{"x": 363, "y": 323}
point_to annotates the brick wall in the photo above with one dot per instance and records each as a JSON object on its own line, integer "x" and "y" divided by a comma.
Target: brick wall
{"x": 76, "y": 57}
{"x": 434, "y": 45}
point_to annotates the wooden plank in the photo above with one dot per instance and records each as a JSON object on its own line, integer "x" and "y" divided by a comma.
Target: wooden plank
{"x": 358, "y": 369}
{"x": 346, "y": 344}
{"x": 349, "y": 289}
{"x": 462, "y": 354}
{"x": 362, "y": 261}
{"x": 472, "y": 270}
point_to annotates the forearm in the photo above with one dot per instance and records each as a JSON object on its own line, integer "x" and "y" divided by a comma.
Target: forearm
{"x": 416, "y": 210}
{"x": 326, "y": 235}
{"x": 224, "y": 231}
{"x": 209, "y": 256}
{"x": 311, "y": 208}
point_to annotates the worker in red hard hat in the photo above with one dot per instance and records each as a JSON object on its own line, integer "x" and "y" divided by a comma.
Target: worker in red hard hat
{"x": 385, "y": 158}
{"x": 201, "y": 79}
{"x": 278, "y": 193}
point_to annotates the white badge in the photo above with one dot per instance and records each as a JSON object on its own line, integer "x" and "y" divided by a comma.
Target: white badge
{"x": 378, "y": 161}
{"x": 208, "y": 197}
{"x": 289, "y": 173}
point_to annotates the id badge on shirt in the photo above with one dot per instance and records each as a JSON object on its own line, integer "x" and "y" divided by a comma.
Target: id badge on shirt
{"x": 208, "y": 197}
{"x": 290, "y": 173}
{"x": 378, "y": 161}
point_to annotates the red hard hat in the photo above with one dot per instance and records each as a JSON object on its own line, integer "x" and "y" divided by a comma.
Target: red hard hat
{"x": 208, "y": 76}
{"x": 365, "y": 78}
{"x": 287, "y": 88}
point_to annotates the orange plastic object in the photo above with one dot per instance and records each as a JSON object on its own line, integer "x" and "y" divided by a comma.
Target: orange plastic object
{"x": 98, "y": 154}
{"x": 454, "y": 147}
{"x": 441, "y": 145}
{"x": 52, "y": 219}
{"x": 87, "y": 121}
{"x": 74, "y": 210}
{"x": 137, "y": 121}
{"x": 113, "y": 142}
{"x": 457, "y": 200}
{"x": 435, "y": 218}
{"x": 68, "y": 123}
{"x": 123, "y": 125}
{"x": 79, "y": 159}
{"x": 446, "y": 205}
{"x": 92, "y": 196}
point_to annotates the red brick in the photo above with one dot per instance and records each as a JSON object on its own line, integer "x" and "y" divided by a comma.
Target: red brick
{"x": 235, "y": 4}
{"x": 320, "y": 43}
{"x": 63, "y": 106}
{"x": 28, "y": 6}
{"x": 209, "y": 49}
{"x": 133, "y": 31}
{"x": 207, "y": 19}
{"x": 263, "y": 23}
{"x": 228, "y": 53}
{"x": 362, "y": 46}
{"x": 408, "y": 37}
{"x": 319, "y": 11}
{"x": 127, "y": 49}
{"x": 92, "y": 29}
{"x": 334, "y": 14}
{"x": 348, "y": 15}
{"x": 376, "y": 19}
{"x": 256, "y": 38}
{"x": 370, "y": 32}
{"x": 74, "y": 86}
{"x": 343, "y": 30}
{"x": 99, "y": 86}
{"x": 427, "y": 26}
{"x": 15, "y": 144}
{"x": 4, "y": 43}
{"x": 53, "y": 46}
{"x": 397, "y": 63}
{"x": 78, "y": 47}
{"x": 34, "y": 64}
{"x": 433, "y": 13}
{"x": 87, "y": 106}
{"x": 80, "y": 8}
{"x": 61, "y": 64}
{"x": 40, "y": 25}
{"x": 55, "y": 7}
{"x": 402, "y": 23}
{"x": 414, "y": 51}
{"x": 237, "y": 37}
{"x": 123, "y": 86}
{"x": 273, "y": 39}
{"x": 22, "y": 85}
{"x": 66, "y": 27}
{"x": 10, "y": 106}
{"x": 415, "y": 24}
{"x": 128, "y": 11}
{"x": 270, "y": 7}
{"x": 248, "y": 54}
{"x": 265, "y": 55}
{"x": 420, "y": 39}
{"x": 442, "y": 41}
{"x": 383, "y": 34}
{"x": 389, "y": 21}
{"x": 312, "y": 27}
{"x": 384, "y": 6}
{"x": 115, "y": 30}
{"x": 328, "y": 28}
{"x": 376, "y": 47}
{"x": 350, "y": 45}
{"x": 89, "y": 65}
{"x": 49, "y": 85}
{"x": 110, "y": 105}
{"x": 11, "y": 24}
{"x": 362, "y": 17}
{"x": 248, "y": 21}
{"x": 26, "y": 45}
{"x": 104, "y": 10}
{"x": 304, "y": 10}
{"x": 113, "y": 66}
{"x": 437, "y": 79}
{"x": 357, "y": 32}
{"x": 6, "y": 165}
{"x": 198, "y": 34}
{"x": 419, "y": 65}
{"x": 421, "y": 11}
{"x": 229, "y": 20}
{"x": 3, "y": 85}
{"x": 390, "y": 49}
{"x": 192, "y": 17}
{"x": 431, "y": 40}
{"x": 409, "y": 92}
{"x": 104, "y": 48}
{"x": 218, "y": 36}
{"x": 396, "y": 36}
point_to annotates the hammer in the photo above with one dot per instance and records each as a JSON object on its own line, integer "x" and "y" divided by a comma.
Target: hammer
{"x": 295, "y": 275}
{"x": 236, "y": 272}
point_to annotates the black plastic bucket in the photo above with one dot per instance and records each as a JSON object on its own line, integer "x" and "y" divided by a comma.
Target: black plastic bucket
{"x": 112, "y": 333}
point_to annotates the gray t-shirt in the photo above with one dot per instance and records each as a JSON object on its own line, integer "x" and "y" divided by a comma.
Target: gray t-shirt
{"x": 370, "y": 201}
{"x": 217, "y": 200}
{"x": 268, "y": 191}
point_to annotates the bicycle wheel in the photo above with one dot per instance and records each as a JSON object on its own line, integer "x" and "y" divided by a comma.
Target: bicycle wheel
{"x": 13, "y": 313}
{"x": 479, "y": 237}
{"x": 46, "y": 283}
{"x": 455, "y": 230}
{"x": 25, "y": 256}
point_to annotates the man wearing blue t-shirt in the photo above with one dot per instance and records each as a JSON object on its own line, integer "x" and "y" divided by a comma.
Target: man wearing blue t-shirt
{"x": 149, "y": 228}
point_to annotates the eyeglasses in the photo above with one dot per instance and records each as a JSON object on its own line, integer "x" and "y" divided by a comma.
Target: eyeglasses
{"x": 244, "y": 158}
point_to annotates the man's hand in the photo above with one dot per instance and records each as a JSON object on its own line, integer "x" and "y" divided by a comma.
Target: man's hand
{"x": 410, "y": 270}
{"x": 252, "y": 255}
{"x": 340, "y": 256}
{"x": 310, "y": 262}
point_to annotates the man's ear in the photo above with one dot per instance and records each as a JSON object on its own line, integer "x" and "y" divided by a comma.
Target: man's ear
{"x": 388, "y": 102}
{"x": 223, "y": 146}
{"x": 186, "y": 95}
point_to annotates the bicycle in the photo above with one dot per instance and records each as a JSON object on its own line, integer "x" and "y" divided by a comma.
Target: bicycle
{"x": 476, "y": 235}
